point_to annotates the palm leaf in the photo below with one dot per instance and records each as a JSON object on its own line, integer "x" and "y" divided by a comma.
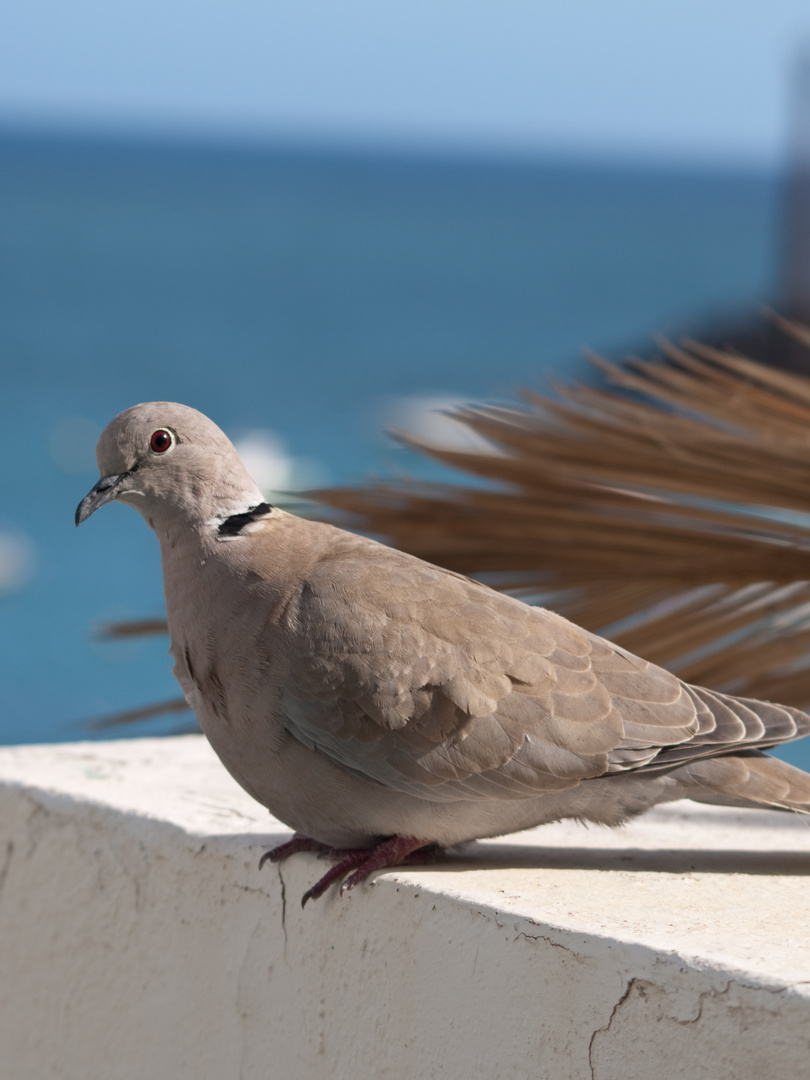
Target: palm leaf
{"x": 667, "y": 505}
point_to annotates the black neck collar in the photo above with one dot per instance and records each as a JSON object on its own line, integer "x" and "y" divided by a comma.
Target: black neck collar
{"x": 233, "y": 525}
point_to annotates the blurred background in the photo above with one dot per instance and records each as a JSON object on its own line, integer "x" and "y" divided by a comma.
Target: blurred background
{"x": 313, "y": 221}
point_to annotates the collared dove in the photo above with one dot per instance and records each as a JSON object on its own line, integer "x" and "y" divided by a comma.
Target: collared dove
{"x": 379, "y": 705}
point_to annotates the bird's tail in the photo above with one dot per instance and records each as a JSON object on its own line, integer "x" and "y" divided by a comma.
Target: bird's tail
{"x": 749, "y": 778}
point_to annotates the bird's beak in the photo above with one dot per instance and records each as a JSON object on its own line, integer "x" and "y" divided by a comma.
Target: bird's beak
{"x": 104, "y": 491}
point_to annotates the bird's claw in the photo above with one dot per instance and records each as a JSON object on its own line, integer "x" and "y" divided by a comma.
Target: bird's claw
{"x": 292, "y": 847}
{"x": 357, "y": 863}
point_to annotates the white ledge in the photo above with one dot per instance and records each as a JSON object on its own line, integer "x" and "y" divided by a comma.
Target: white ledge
{"x": 139, "y": 940}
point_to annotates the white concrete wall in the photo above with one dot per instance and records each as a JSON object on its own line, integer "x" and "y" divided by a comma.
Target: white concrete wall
{"x": 138, "y": 939}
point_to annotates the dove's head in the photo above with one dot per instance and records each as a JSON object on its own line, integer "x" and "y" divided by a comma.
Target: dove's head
{"x": 169, "y": 462}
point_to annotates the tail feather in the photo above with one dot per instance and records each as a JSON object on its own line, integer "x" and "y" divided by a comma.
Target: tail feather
{"x": 747, "y": 779}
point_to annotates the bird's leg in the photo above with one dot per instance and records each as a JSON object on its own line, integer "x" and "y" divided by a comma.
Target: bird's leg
{"x": 292, "y": 847}
{"x": 363, "y": 861}
{"x": 418, "y": 857}
{"x": 395, "y": 851}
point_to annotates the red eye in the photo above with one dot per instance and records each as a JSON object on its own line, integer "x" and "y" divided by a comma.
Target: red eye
{"x": 161, "y": 441}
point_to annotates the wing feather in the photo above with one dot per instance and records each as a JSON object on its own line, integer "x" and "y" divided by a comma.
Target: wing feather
{"x": 433, "y": 684}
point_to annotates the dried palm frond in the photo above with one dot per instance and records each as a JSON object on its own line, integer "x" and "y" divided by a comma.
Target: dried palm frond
{"x": 668, "y": 506}
{"x": 147, "y": 712}
{"x": 132, "y": 628}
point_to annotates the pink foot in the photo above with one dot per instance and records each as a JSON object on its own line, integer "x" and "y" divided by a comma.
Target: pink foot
{"x": 391, "y": 852}
{"x": 395, "y": 851}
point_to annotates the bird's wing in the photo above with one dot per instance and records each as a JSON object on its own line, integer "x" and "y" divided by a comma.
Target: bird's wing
{"x": 433, "y": 684}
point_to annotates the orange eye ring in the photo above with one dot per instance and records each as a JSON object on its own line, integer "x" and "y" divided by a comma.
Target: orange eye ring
{"x": 160, "y": 441}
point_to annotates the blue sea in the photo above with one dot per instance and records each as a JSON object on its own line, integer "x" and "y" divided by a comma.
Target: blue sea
{"x": 303, "y": 298}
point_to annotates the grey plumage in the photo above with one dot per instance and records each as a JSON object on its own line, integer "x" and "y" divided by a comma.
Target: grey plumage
{"x": 361, "y": 694}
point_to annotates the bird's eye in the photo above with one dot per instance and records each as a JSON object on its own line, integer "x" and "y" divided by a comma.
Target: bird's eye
{"x": 160, "y": 441}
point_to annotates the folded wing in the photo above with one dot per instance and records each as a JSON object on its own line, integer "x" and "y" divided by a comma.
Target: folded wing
{"x": 434, "y": 685}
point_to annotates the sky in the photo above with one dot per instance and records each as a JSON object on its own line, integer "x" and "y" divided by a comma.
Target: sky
{"x": 693, "y": 79}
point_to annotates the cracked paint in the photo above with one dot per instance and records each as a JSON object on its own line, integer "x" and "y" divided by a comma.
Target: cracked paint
{"x": 599, "y": 1031}
{"x": 6, "y": 865}
{"x": 283, "y": 904}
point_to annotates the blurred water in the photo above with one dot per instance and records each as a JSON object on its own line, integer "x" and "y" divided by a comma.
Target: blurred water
{"x": 299, "y": 295}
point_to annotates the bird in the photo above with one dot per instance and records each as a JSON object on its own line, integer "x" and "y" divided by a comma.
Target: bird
{"x": 385, "y": 708}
